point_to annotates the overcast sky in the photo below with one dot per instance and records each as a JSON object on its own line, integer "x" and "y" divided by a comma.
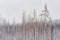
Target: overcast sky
{"x": 14, "y": 8}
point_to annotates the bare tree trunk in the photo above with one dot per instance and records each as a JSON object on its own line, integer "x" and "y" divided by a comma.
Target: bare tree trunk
{"x": 34, "y": 33}
{"x": 22, "y": 31}
{"x": 52, "y": 33}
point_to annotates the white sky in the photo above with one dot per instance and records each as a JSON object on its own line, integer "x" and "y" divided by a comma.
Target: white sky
{"x": 13, "y": 8}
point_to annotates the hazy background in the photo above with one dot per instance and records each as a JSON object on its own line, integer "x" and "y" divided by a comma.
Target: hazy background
{"x": 10, "y": 9}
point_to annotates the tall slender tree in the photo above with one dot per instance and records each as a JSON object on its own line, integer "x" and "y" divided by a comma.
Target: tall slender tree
{"x": 23, "y": 27}
{"x": 34, "y": 13}
{"x": 46, "y": 15}
{"x": 34, "y": 23}
{"x": 23, "y": 17}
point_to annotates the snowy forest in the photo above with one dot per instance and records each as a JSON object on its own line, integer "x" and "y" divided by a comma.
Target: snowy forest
{"x": 33, "y": 29}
